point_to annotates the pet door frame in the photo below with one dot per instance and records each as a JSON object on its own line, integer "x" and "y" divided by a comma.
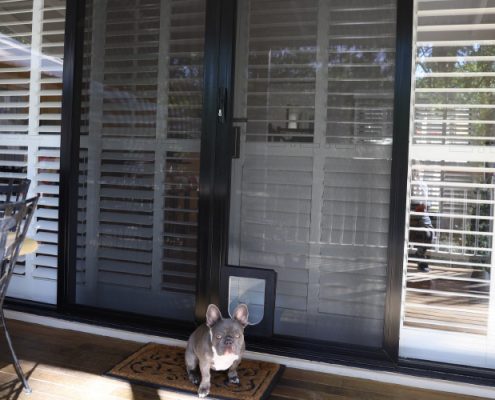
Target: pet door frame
{"x": 265, "y": 326}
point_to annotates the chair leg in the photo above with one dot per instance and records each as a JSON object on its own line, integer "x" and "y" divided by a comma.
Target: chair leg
{"x": 17, "y": 366}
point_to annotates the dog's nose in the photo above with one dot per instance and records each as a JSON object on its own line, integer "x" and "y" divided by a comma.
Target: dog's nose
{"x": 228, "y": 340}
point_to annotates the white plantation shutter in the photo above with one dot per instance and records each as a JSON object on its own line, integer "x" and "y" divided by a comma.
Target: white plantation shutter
{"x": 16, "y": 28}
{"x": 181, "y": 179}
{"x": 452, "y": 174}
{"x": 139, "y": 158}
{"x": 281, "y": 77}
{"x": 13, "y": 161}
{"x": 311, "y": 189}
{"x": 356, "y": 187}
{"x": 83, "y": 147}
{"x": 361, "y": 43}
{"x": 30, "y": 101}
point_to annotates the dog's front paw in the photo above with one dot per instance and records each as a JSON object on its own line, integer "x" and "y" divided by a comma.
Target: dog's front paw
{"x": 234, "y": 379}
{"x": 204, "y": 390}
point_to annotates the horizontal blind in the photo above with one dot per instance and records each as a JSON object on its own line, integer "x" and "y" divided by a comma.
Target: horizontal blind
{"x": 356, "y": 168}
{"x": 181, "y": 174}
{"x": 180, "y": 240}
{"x": 454, "y": 74}
{"x": 281, "y": 75}
{"x": 82, "y": 192}
{"x": 13, "y": 164}
{"x": 47, "y": 174}
{"x": 30, "y": 104}
{"x": 277, "y": 94}
{"x": 15, "y": 72}
{"x": 452, "y": 168}
{"x": 276, "y": 218}
{"x": 81, "y": 241}
{"x": 310, "y": 192}
{"x": 52, "y": 47}
{"x": 124, "y": 207}
{"x": 361, "y": 61}
{"x": 13, "y": 161}
{"x": 139, "y": 160}
{"x": 49, "y": 119}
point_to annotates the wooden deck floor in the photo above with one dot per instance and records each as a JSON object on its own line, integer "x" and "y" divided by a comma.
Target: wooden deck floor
{"x": 69, "y": 365}
{"x": 447, "y": 299}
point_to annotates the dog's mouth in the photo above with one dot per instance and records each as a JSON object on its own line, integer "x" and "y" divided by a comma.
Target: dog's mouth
{"x": 229, "y": 349}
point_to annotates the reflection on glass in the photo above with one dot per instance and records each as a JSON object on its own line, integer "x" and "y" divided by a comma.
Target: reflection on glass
{"x": 450, "y": 245}
{"x": 250, "y": 291}
{"x": 310, "y": 191}
{"x": 452, "y": 191}
{"x": 139, "y": 156}
{"x": 453, "y": 95}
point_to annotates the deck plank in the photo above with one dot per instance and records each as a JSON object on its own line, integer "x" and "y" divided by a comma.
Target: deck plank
{"x": 70, "y": 365}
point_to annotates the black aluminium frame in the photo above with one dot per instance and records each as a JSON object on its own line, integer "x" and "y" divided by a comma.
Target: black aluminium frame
{"x": 218, "y": 167}
{"x": 216, "y": 146}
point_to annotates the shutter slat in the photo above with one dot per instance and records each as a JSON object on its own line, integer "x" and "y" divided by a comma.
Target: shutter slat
{"x": 456, "y": 11}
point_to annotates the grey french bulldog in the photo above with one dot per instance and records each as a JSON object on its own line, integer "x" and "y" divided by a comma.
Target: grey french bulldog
{"x": 218, "y": 344}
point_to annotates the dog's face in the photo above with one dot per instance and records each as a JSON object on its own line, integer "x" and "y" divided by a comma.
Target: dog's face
{"x": 227, "y": 335}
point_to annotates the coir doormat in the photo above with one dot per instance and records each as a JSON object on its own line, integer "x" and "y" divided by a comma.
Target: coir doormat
{"x": 163, "y": 367}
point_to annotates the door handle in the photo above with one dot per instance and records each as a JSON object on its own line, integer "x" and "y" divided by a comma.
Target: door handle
{"x": 236, "y": 136}
{"x": 236, "y": 145}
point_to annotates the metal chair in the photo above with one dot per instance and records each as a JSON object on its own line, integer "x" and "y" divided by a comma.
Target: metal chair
{"x": 14, "y": 223}
{"x": 12, "y": 189}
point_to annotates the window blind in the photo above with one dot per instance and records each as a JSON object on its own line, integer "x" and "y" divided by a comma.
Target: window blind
{"x": 310, "y": 191}
{"x": 139, "y": 158}
{"x": 452, "y": 168}
{"x": 281, "y": 75}
{"x": 31, "y": 43}
{"x": 16, "y": 31}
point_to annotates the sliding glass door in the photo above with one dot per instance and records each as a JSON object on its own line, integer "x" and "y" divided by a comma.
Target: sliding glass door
{"x": 310, "y": 189}
{"x": 449, "y": 307}
{"x": 312, "y": 107}
{"x": 139, "y": 156}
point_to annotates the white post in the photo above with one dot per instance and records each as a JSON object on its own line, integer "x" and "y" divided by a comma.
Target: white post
{"x": 33, "y": 127}
{"x": 491, "y": 305}
{"x": 320, "y": 130}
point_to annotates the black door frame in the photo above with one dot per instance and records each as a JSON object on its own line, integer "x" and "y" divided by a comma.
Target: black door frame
{"x": 215, "y": 164}
{"x": 219, "y": 168}
{"x": 215, "y": 144}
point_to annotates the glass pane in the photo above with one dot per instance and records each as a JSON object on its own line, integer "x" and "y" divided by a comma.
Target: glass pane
{"x": 310, "y": 192}
{"x": 449, "y": 285}
{"x": 450, "y": 246}
{"x": 31, "y": 63}
{"x": 250, "y": 291}
{"x": 139, "y": 158}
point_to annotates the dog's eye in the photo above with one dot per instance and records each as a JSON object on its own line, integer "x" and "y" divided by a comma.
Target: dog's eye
{"x": 219, "y": 336}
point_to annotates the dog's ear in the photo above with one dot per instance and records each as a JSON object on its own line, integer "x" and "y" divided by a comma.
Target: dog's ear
{"x": 241, "y": 314}
{"x": 213, "y": 315}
